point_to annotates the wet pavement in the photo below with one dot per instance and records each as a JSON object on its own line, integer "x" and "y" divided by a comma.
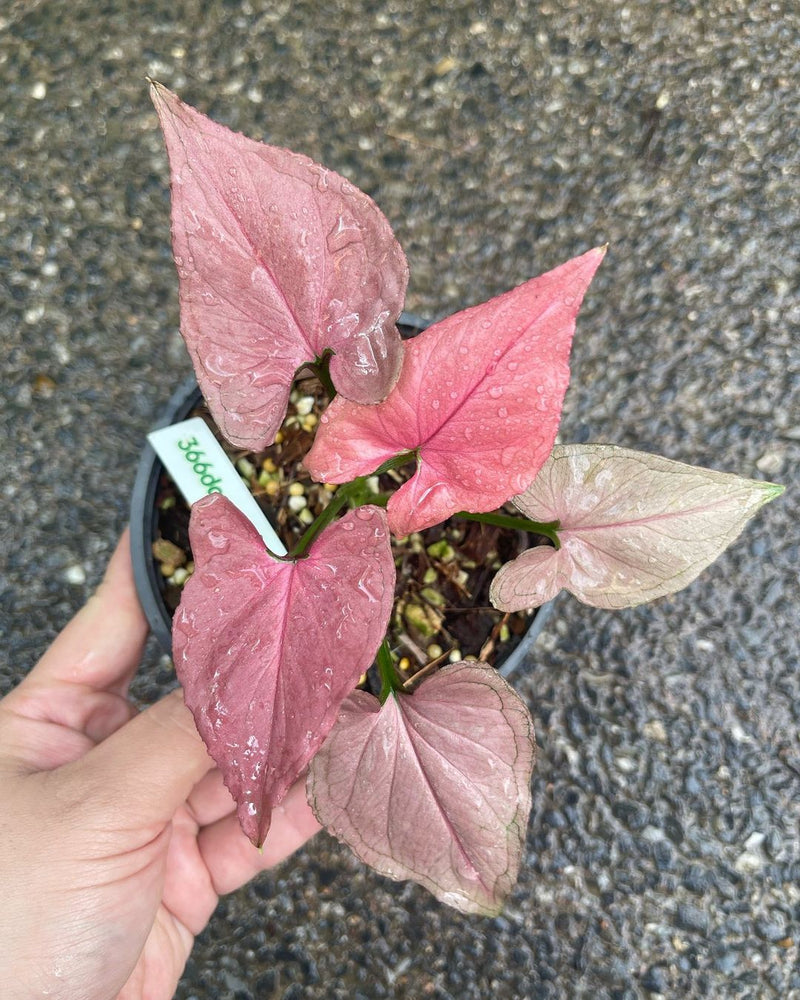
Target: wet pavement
{"x": 663, "y": 856}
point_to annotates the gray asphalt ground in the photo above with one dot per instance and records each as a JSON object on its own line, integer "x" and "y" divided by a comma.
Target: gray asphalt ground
{"x": 663, "y": 857}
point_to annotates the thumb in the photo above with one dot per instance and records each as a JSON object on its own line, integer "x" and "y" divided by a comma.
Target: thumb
{"x": 144, "y": 771}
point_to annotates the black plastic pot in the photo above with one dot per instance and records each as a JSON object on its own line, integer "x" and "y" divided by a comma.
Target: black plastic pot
{"x": 144, "y": 522}
{"x": 144, "y": 518}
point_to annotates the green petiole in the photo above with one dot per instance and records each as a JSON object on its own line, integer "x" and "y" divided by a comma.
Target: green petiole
{"x": 547, "y": 528}
{"x": 390, "y": 679}
{"x": 357, "y": 493}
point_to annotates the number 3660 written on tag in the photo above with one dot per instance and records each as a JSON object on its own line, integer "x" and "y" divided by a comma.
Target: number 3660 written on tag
{"x": 197, "y": 463}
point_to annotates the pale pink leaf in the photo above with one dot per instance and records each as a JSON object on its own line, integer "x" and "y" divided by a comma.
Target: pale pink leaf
{"x": 278, "y": 259}
{"x": 266, "y": 650}
{"x": 634, "y": 527}
{"x": 479, "y": 396}
{"x": 433, "y": 786}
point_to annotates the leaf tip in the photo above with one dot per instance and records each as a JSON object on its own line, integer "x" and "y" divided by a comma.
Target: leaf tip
{"x": 158, "y": 92}
{"x": 772, "y": 491}
{"x": 164, "y": 101}
{"x": 257, "y": 831}
{"x": 594, "y": 258}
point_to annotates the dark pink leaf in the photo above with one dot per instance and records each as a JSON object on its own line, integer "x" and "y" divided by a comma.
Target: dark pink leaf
{"x": 634, "y": 527}
{"x": 278, "y": 259}
{"x": 433, "y": 786}
{"x": 266, "y": 650}
{"x": 479, "y": 396}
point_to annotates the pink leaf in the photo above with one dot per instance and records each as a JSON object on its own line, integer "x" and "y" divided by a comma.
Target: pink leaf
{"x": 278, "y": 259}
{"x": 433, "y": 786}
{"x": 266, "y": 650}
{"x": 633, "y": 526}
{"x": 479, "y": 396}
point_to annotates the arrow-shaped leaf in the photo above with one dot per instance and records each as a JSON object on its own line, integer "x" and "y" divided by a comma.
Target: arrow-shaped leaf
{"x": 633, "y": 526}
{"x": 479, "y": 396}
{"x": 278, "y": 259}
{"x": 433, "y": 786}
{"x": 266, "y": 650}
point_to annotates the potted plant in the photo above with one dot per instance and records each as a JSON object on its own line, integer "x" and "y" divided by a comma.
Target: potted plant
{"x": 442, "y": 590}
{"x": 287, "y": 270}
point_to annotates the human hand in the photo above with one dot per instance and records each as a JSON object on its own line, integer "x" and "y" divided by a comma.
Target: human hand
{"x": 117, "y": 835}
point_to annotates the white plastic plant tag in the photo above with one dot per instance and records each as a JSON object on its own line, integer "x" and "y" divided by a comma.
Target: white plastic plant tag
{"x": 196, "y": 461}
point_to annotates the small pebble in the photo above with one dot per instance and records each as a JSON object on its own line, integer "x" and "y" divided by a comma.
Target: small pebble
{"x": 654, "y": 730}
{"x": 444, "y": 66}
{"x": 441, "y": 550}
{"x": 75, "y": 574}
{"x": 169, "y": 553}
{"x": 625, "y": 763}
{"x": 772, "y": 929}
{"x": 691, "y": 918}
{"x": 727, "y": 962}
{"x": 655, "y": 979}
{"x": 771, "y": 461}
{"x": 696, "y": 878}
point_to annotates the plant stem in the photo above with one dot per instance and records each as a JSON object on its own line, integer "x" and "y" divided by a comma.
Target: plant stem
{"x": 322, "y": 370}
{"x": 547, "y": 528}
{"x": 356, "y": 492}
{"x": 394, "y": 463}
{"x": 390, "y": 680}
{"x": 340, "y": 498}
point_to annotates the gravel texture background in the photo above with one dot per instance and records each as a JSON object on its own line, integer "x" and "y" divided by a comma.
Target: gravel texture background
{"x": 663, "y": 855}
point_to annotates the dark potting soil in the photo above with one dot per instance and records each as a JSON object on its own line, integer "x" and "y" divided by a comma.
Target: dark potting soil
{"x": 442, "y": 610}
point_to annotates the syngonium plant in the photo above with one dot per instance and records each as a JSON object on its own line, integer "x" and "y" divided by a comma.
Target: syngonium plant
{"x": 285, "y": 267}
